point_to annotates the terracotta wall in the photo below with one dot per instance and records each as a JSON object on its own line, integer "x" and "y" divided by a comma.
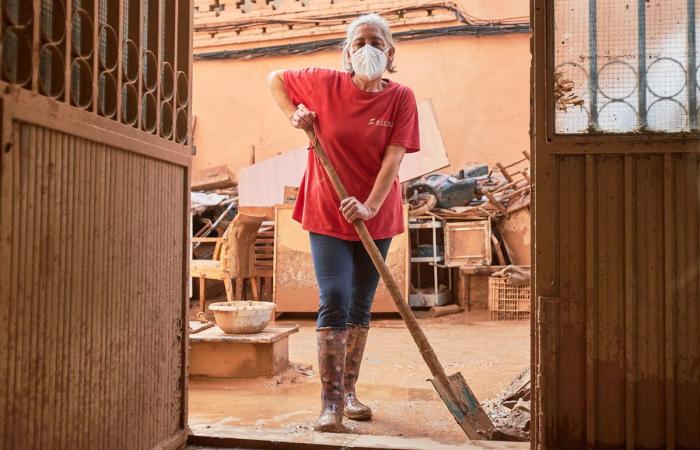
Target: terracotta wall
{"x": 479, "y": 87}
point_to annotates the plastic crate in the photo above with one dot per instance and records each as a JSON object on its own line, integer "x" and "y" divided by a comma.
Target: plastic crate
{"x": 508, "y": 302}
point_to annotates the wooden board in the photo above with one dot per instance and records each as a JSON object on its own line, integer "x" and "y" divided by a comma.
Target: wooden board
{"x": 295, "y": 287}
{"x": 468, "y": 243}
{"x": 266, "y": 211}
{"x": 217, "y": 177}
{"x": 269, "y": 335}
{"x": 432, "y": 155}
{"x": 263, "y": 184}
{"x": 515, "y": 230}
{"x": 474, "y": 287}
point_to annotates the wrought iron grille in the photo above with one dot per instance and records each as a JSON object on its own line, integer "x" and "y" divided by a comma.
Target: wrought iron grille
{"x": 625, "y": 66}
{"x": 127, "y": 60}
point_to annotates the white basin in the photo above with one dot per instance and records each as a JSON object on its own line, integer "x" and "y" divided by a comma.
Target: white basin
{"x": 242, "y": 317}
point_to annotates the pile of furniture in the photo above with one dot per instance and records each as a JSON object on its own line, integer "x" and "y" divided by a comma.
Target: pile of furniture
{"x": 485, "y": 235}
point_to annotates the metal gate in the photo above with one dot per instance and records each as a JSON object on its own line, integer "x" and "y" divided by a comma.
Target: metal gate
{"x": 94, "y": 188}
{"x": 616, "y": 340}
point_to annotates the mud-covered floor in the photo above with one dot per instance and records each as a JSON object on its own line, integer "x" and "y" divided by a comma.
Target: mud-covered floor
{"x": 392, "y": 380}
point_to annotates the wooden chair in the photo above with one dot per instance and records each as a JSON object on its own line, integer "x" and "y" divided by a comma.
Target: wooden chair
{"x": 264, "y": 258}
{"x": 234, "y": 258}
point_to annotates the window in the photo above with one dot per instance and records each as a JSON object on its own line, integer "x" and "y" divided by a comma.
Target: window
{"x": 624, "y": 66}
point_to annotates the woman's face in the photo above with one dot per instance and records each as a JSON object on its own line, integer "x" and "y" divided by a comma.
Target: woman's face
{"x": 368, "y": 34}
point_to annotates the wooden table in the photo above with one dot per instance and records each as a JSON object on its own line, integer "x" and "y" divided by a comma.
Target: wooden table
{"x": 215, "y": 354}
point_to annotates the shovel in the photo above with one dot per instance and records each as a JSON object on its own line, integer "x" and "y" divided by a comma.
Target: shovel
{"x": 453, "y": 389}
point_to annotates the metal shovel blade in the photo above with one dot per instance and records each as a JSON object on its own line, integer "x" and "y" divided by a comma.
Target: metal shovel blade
{"x": 464, "y": 406}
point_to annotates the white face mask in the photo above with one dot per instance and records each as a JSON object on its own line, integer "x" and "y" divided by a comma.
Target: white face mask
{"x": 369, "y": 62}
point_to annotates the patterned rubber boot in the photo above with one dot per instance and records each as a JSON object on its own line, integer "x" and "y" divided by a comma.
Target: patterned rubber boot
{"x": 331, "y": 363}
{"x": 357, "y": 338}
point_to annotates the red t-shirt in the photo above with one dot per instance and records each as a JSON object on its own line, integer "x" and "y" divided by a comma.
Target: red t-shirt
{"x": 354, "y": 127}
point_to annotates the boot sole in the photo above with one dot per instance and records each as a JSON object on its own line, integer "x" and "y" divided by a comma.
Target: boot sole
{"x": 329, "y": 429}
{"x": 360, "y": 416}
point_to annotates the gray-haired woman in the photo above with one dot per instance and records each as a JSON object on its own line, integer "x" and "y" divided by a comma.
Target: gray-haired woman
{"x": 366, "y": 124}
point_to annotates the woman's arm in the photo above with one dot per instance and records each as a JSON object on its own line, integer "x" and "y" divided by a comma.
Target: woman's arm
{"x": 354, "y": 209}
{"x": 300, "y": 117}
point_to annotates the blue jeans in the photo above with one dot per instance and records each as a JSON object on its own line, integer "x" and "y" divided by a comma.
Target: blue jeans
{"x": 346, "y": 278}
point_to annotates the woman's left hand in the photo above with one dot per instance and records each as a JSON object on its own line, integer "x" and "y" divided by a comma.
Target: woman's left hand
{"x": 353, "y": 209}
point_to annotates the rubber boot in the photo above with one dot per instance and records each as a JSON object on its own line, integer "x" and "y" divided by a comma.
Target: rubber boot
{"x": 331, "y": 363}
{"x": 357, "y": 338}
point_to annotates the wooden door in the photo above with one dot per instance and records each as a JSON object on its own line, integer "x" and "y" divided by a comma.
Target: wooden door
{"x": 94, "y": 195}
{"x": 616, "y": 347}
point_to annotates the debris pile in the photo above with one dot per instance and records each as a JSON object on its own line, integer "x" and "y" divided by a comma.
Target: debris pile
{"x": 500, "y": 194}
{"x": 510, "y": 410}
{"x": 214, "y": 204}
{"x": 474, "y": 192}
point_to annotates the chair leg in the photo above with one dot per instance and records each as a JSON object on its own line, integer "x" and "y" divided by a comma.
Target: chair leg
{"x": 230, "y": 294}
{"x": 202, "y": 293}
{"x": 255, "y": 287}
{"x": 267, "y": 290}
{"x": 240, "y": 288}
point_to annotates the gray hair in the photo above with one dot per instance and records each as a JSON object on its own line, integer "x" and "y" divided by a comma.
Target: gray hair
{"x": 367, "y": 19}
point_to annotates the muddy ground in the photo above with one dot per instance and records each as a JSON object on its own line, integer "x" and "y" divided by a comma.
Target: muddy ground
{"x": 392, "y": 379}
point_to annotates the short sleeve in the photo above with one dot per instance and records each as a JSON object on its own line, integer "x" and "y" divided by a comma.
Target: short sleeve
{"x": 300, "y": 83}
{"x": 405, "y": 130}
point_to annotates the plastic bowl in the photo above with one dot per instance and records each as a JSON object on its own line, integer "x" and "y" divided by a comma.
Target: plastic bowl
{"x": 242, "y": 317}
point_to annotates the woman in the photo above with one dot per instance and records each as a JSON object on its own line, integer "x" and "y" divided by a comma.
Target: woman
{"x": 365, "y": 124}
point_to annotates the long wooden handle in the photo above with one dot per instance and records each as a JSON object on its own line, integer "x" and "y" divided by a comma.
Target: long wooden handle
{"x": 426, "y": 350}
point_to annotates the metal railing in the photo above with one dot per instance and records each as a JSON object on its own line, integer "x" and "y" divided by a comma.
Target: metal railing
{"x": 126, "y": 60}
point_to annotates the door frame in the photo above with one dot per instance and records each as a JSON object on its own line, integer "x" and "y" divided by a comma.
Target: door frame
{"x": 545, "y": 146}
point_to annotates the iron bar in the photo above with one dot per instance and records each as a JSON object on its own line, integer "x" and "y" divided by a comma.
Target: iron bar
{"x": 142, "y": 6}
{"x": 593, "y": 64}
{"x": 68, "y": 51}
{"x": 36, "y": 45}
{"x": 642, "y": 64}
{"x": 175, "y": 67}
{"x": 120, "y": 57}
{"x": 96, "y": 23}
{"x": 692, "y": 69}
{"x": 159, "y": 60}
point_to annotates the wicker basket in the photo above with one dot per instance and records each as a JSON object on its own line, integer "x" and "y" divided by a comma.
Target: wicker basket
{"x": 508, "y": 302}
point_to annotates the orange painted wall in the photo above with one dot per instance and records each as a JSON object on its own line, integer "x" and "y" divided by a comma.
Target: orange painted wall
{"x": 479, "y": 88}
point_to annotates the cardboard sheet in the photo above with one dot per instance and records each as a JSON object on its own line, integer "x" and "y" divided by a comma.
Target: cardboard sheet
{"x": 432, "y": 155}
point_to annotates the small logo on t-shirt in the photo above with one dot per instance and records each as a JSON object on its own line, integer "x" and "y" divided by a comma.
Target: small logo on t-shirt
{"x": 380, "y": 122}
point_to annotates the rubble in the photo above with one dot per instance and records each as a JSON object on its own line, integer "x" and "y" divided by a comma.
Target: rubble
{"x": 494, "y": 194}
{"x": 212, "y": 212}
{"x": 516, "y": 275}
{"x": 500, "y": 194}
{"x": 510, "y": 411}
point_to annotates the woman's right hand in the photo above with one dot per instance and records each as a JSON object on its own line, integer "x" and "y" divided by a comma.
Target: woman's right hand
{"x": 303, "y": 118}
